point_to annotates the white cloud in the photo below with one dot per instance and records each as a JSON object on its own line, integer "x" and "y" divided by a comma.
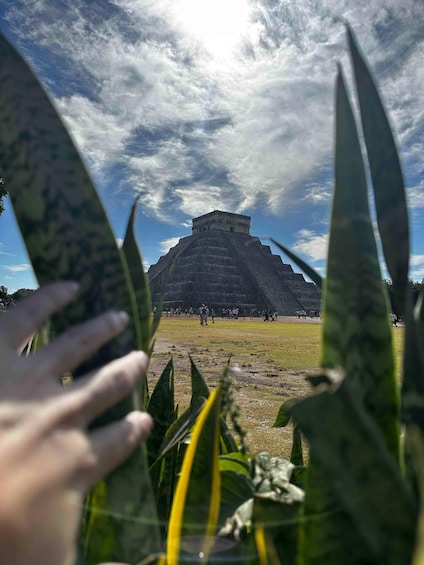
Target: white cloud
{"x": 167, "y": 244}
{"x": 417, "y": 274}
{"x": 98, "y": 134}
{"x": 319, "y": 193}
{"x": 130, "y": 67}
{"x": 2, "y": 252}
{"x": 198, "y": 200}
{"x": 312, "y": 244}
{"x": 16, "y": 268}
{"x": 415, "y": 196}
{"x": 416, "y": 261}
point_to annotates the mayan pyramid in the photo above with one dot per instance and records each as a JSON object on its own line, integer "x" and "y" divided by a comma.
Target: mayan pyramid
{"x": 223, "y": 266}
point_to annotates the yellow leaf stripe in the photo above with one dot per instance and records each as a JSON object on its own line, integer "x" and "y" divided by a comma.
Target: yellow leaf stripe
{"x": 178, "y": 506}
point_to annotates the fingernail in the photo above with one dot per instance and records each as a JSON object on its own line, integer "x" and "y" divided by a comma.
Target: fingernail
{"x": 120, "y": 318}
{"x": 144, "y": 421}
{"x": 70, "y": 288}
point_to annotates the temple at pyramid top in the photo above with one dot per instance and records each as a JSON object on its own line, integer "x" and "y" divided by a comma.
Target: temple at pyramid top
{"x": 225, "y": 221}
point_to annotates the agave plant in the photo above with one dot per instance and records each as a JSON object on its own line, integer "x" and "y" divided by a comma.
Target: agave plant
{"x": 359, "y": 505}
{"x": 195, "y": 493}
{"x": 68, "y": 237}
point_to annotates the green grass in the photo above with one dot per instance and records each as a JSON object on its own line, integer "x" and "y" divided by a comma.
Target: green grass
{"x": 274, "y": 359}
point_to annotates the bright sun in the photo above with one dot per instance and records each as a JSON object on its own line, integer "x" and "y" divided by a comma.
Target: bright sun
{"x": 217, "y": 24}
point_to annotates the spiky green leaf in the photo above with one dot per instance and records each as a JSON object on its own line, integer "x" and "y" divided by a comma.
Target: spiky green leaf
{"x": 357, "y": 334}
{"x": 196, "y": 501}
{"x": 68, "y": 236}
{"x": 199, "y": 388}
{"x": 386, "y": 172}
{"x": 139, "y": 279}
{"x": 162, "y": 409}
{"x": 179, "y": 429}
{"x": 366, "y": 483}
{"x": 283, "y": 416}
{"x": 307, "y": 269}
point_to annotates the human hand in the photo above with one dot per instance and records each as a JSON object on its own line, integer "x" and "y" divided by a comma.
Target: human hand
{"x": 48, "y": 459}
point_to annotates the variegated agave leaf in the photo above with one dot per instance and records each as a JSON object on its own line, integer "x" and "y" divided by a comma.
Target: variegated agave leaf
{"x": 68, "y": 236}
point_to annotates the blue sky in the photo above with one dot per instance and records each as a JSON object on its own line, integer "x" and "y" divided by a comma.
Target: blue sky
{"x": 217, "y": 104}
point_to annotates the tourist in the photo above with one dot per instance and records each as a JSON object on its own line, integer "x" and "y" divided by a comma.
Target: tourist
{"x": 48, "y": 456}
{"x": 202, "y": 314}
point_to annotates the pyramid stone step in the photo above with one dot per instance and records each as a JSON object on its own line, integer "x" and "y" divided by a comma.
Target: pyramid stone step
{"x": 223, "y": 265}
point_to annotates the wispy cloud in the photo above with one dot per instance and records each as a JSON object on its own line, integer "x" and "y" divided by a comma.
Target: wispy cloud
{"x": 415, "y": 195}
{"x": 3, "y": 252}
{"x": 312, "y": 245}
{"x": 16, "y": 268}
{"x": 193, "y": 132}
{"x": 416, "y": 270}
{"x": 167, "y": 244}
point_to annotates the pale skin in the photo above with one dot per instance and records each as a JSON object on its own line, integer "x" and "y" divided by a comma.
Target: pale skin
{"x": 48, "y": 458}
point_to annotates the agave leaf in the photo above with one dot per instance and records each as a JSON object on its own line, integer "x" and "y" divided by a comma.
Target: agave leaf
{"x": 62, "y": 221}
{"x": 139, "y": 279}
{"x": 366, "y": 481}
{"x": 179, "y": 429}
{"x": 163, "y": 467}
{"x": 236, "y": 489}
{"x": 356, "y": 330}
{"x": 236, "y": 483}
{"x": 68, "y": 236}
{"x": 161, "y": 408}
{"x": 386, "y": 173}
{"x": 283, "y": 416}
{"x": 296, "y": 455}
{"x": 282, "y": 420}
{"x": 356, "y": 337}
{"x": 267, "y": 554}
{"x": 141, "y": 289}
{"x": 413, "y": 367}
{"x": 164, "y": 487}
{"x": 416, "y": 441}
{"x": 39, "y": 339}
{"x": 228, "y": 444}
{"x": 238, "y": 462}
{"x": 197, "y": 497}
{"x": 307, "y": 269}
{"x": 158, "y": 313}
{"x": 276, "y": 531}
{"x": 199, "y": 388}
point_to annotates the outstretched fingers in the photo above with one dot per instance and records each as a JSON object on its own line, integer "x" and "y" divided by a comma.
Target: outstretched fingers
{"x": 77, "y": 344}
{"x": 106, "y": 386}
{"x": 110, "y": 445}
{"x": 17, "y": 325}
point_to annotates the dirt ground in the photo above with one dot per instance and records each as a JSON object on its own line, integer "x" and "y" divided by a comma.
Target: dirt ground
{"x": 260, "y": 387}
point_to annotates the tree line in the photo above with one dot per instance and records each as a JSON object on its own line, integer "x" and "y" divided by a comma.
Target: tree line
{"x": 415, "y": 286}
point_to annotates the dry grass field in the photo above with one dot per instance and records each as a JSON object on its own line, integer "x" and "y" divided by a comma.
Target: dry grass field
{"x": 274, "y": 358}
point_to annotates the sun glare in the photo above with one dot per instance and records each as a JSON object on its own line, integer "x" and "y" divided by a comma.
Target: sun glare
{"x": 217, "y": 24}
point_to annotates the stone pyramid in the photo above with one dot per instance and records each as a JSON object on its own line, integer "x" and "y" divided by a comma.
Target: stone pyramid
{"x": 223, "y": 266}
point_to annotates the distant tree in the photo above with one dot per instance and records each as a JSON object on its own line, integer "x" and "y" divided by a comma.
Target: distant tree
{"x": 415, "y": 286}
{"x": 4, "y": 295}
{"x": 21, "y": 293}
{"x": 3, "y": 194}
